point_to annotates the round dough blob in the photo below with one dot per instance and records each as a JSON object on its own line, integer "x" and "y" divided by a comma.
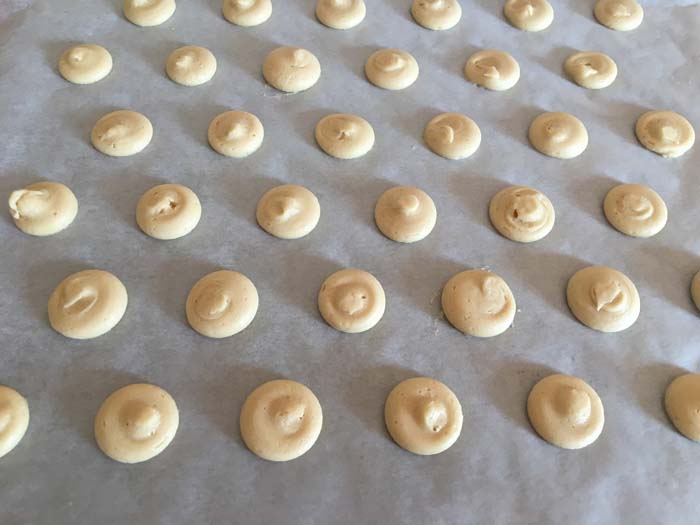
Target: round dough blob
{"x": 391, "y": 69}
{"x": 122, "y": 133}
{"x": 621, "y": 15}
{"x": 85, "y": 64}
{"x": 136, "y": 423}
{"x": 43, "y": 208}
{"x": 340, "y": 14}
{"x": 603, "y": 299}
{"x": 148, "y": 13}
{"x": 453, "y": 136}
{"x": 87, "y": 304}
{"x": 565, "y": 411}
{"x": 529, "y": 15}
{"x": 288, "y": 211}
{"x": 191, "y": 66}
{"x": 495, "y": 70}
{"x": 247, "y": 13}
{"x": 405, "y": 214}
{"x": 695, "y": 290}
{"x": 168, "y": 211}
{"x": 344, "y": 136}
{"x": 14, "y": 419}
{"x": 236, "y": 134}
{"x": 521, "y": 214}
{"x": 665, "y": 132}
{"x": 636, "y": 210}
{"x": 437, "y": 15}
{"x": 682, "y": 402}
{"x": 291, "y": 69}
{"x": 591, "y": 69}
{"x": 558, "y": 135}
{"x": 423, "y": 416}
{"x": 478, "y": 303}
{"x": 221, "y": 304}
{"x": 281, "y": 420}
{"x": 351, "y": 301}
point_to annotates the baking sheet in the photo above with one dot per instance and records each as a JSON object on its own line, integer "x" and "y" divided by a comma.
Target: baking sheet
{"x": 639, "y": 471}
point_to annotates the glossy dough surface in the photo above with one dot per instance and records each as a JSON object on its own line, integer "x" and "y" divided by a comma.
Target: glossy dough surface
{"x": 665, "y": 132}
{"x": 621, "y": 15}
{"x": 236, "y": 134}
{"x": 636, "y": 210}
{"x": 529, "y": 15}
{"x": 492, "y": 69}
{"x": 14, "y": 419}
{"x": 122, "y": 133}
{"x": 344, "y": 136}
{"x": 43, "y": 208}
{"x": 437, "y": 15}
{"x": 405, "y": 214}
{"x": 351, "y": 301}
{"x": 288, "y": 211}
{"x": 246, "y": 13}
{"x": 85, "y": 64}
{"x": 521, "y": 214}
{"x": 291, "y": 69}
{"x": 591, "y": 69}
{"x": 340, "y": 14}
{"x": 391, "y": 69}
{"x": 168, "y": 211}
{"x": 682, "y": 402}
{"x": 191, "y": 65}
{"x": 558, "y": 135}
{"x": 453, "y": 136}
{"x": 147, "y": 13}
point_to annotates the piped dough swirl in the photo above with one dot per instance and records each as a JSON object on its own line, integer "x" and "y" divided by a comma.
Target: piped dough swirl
{"x": 351, "y": 301}
{"x": 391, "y": 69}
{"x": 122, "y": 133}
{"x": 168, "y": 211}
{"x": 291, "y": 69}
{"x": 559, "y": 135}
{"x": 591, "y": 69}
{"x": 620, "y": 15}
{"x": 453, "y": 136}
{"x": 288, "y": 211}
{"x": 522, "y": 214}
{"x": 635, "y": 210}
{"x": 405, "y": 214}
{"x": 529, "y": 15}
{"x": 665, "y": 133}
{"x": 43, "y": 208}
{"x": 682, "y": 403}
{"x": 492, "y": 69}
{"x": 344, "y": 136}
{"x": 14, "y": 419}
{"x": 340, "y": 14}
{"x": 438, "y": 15}
{"x": 85, "y": 64}
{"x": 148, "y": 13}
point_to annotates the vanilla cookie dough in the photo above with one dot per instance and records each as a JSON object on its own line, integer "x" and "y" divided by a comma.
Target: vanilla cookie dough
{"x": 236, "y": 134}
{"x": 391, "y": 69}
{"x": 168, "y": 211}
{"x": 405, "y": 214}
{"x": 636, "y": 210}
{"x": 478, "y": 303}
{"x": 85, "y": 64}
{"x": 437, "y": 15}
{"x": 148, "y": 13}
{"x": 495, "y": 70}
{"x": 529, "y": 15}
{"x": 344, "y": 136}
{"x": 191, "y": 66}
{"x": 695, "y": 290}
{"x": 453, "y": 136}
{"x": 43, "y": 208}
{"x": 558, "y": 135}
{"x": 423, "y": 416}
{"x": 665, "y": 133}
{"x": 87, "y": 304}
{"x": 351, "y": 301}
{"x": 521, "y": 214}
{"x": 621, "y": 15}
{"x": 591, "y": 69}
{"x": 122, "y": 133}
{"x": 565, "y": 411}
{"x": 14, "y": 419}
{"x": 291, "y": 69}
{"x": 136, "y": 423}
{"x": 288, "y": 211}
{"x": 246, "y": 13}
{"x": 682, "y": 402}
{"x": 221, "y": 304}
{"x": 340, "y": 14}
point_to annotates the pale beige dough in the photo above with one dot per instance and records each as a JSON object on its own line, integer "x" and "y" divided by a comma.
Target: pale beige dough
{"x": 423, "y": 416}
{"x": 191, "y": 66}
{"x": 122, "y": 133}
{"x": 682, "y": 402}
{"x": 495, "y": 70}
{"x": 665, "y": 133}
{"x": 43, "y": 208}
{"x": 247, "y": 13}
{"x": 344, "y": 136}
{"x": 695, "y": 290}
{"x": 221, "y": 304}
{"x": 85, "y": 64}
{"x": 453, "y": 136}
{"x": 391, "y": 69}
{"x": 529, "y": 15}
{"x": 14, "y": 419}
{"x": 621, "y": 15}
{"x": 291, "y": 69}
{"x": 340, "y": 14}
{"x": 147, "y": 13}
{"x": 558, "y": 135}
{"x": 168, "y": 211}
{"x": 437, "y": 15}
{"x": 87, "y": 304}
{"x": 591, "y": 69}
{"x": 565, "y": 411}
{"x": 288, "y": 211}
{"x": 521, "y": 214}
{"x": 281, "y": 420}
{"x": 236, "y": 134}
{"x": 636, "y": 210}
{"x": 351, "y": 301}
{"x": 478, "y": 303}
{"x": 136, "y": 423}
{"x": 405, "y": 214}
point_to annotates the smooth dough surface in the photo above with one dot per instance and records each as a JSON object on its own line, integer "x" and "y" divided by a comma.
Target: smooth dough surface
{"x": 87, "y": 304}
{"x": 621, "y": 15}
{"x": 291, "y": 69}
{"x": 405, "y": 214}
{"x": 236, "y": 134}
{"x": 682, "y": 402}
{"x": 351, "y": 301}
{"x": 340, "y": 14}
{"x": 437, "y": 15}
{"x": 136, "y": 423}
{"x": 288, "y": 211}
{"x": 603, "y": 299}
{"x": 14, "y": 419}
{"x": 221, "y": 304}
{"x": 122, "y": 133}
{"x": 168, "y": 211}
{"x": 558, "y": 135}
{"x": 423, "y": 416}
{"x": 478, "y": 303}
{"x": 521, "y": 214}
{"x": 191, "y": 65}
{"x": 247, "y": 13}
{"x": 695, "y": 290}
{"x": 636, "y": 210}
{"x": 281, "y": 420}
{"x": 391, "y": 69}
{"x": 147, "y": 13}
{"x": 492, "y": 69}
{"x": 529, "y": 15}
{"x": 453, "y": 136}
{"x": 665, "y": 133}
{"x": 565, "y": 411}
{"x": 43, "y": 208}
{"x": 85, "y": 64}
{"x": 591, "y": 69}
{"x": 344, "y": 136}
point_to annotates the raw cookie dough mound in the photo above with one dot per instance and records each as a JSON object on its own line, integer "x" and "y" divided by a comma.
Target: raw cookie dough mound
{"x": 453, "y": 136}
{"x": 521, "y": 214}
{"x": 87, "y": 304}
{"x": 168, "y": 211}
{"x": 247, "y": 13}
{"x": 479, "y": 303}
{"x": 288, "y": 211}
{"x": 682, "y": 402}
{"x": 340, "y": 14}
{"x": 391, "y": 69}
{"x": 591, "y": 69}
{"x": 423, "y": 416}
{"x": 147, "y": 13}
{"x": 85, "y": 64}
{"x": 122, "y": 133}
{"x": 603, "y": 299}
{"x": 344, "y": 136}
{"x": 437, "y": 15}
{"x": 695, "y": 290}
{"x": 351, "y": 301}
{"x": 621, "y": 15}
{"x": 291, "y": 69}
{"x": 495, "y": 70}
{"x": 565, "y": 411}
{"x": 405, "y": 214}
{"x": 221, "y": 304}
{"x": 636, "y": 210}
{"x": 529, "y": 15}
{"x": 43, "y": 208}
{"x": 14, "y": 419}
{"x": 191, "y": 66}
{"x": 236, "y": 134}
{"x": 665, "y": 132}
{"x": 558, "y": 135}
{"x": 136, "y": 423}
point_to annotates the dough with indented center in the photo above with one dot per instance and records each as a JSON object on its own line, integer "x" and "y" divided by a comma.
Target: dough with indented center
{"x": 344, "y": 136}
{"x": 565, "y": 411}
{"x": 85, "y": 64}
{"x": 682, "y": 402}
{"x": 621, "y": 15}
{"x": 695, "y": 290}
{"x": 437, "y": 15}
{"x": 391, "y": 69}
{"x": 147, "y": 13}
{"x": 351, "y": 301}
{"x": 636, "y": 210}
{"x": 236, "y": 134}
{"x": 529, "y": 15}
{"x": 591, "y": 69}
{"x": 87, "y": 304}
{"x": 168, "y": 211}
{"x": 453, "y": 136}
{"x": 405, "y": 214}
{"x": 43, "y": 208}
{"x": 14, "y": 419}
{"x": 521, "y": 214}
{"x": 340, "y": 14}
{"x": 136, "y": 423}
{"x": 559, "y": 135}
{"x": 288, "y": 211}
{"x": 291, "y": 69}
{"x": 495, "y": 70}
{"x": 247, "y": 13}
{"x": 191, "y": 65}
{"x": 665, "y": 132}
{"x": 479, "y": 303}
{"x": 122, "y": 133}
